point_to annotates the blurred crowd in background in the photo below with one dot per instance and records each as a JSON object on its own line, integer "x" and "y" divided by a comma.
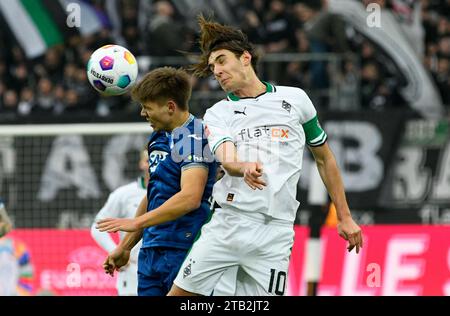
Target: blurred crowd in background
{"x": 56, "y": 83}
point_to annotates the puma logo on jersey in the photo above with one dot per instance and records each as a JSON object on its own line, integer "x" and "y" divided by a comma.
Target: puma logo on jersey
{"x": 286, "y": 106}
{"x": 241, "y": 112}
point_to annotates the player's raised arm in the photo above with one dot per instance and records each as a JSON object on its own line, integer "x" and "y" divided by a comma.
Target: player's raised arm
{"x": 331, "y": 177}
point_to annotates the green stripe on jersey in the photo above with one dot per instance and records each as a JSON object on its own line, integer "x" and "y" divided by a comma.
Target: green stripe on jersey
{"x": 314, "y": 132}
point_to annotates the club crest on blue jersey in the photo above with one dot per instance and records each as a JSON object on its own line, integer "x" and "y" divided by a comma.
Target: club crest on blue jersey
{"x": 155, "y": 158}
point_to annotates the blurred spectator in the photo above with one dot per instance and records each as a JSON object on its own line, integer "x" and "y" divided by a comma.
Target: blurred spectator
{"x": 348, "y": 84}
{"x": 59, "y": 93}
{"x": 72, "y": 101}
{"x": 278, "y": 27}
{"x": 27, "y": 102}
{"x": 130, "y": 31}
{"x": 53, "y": 64}
{"x": 254, "y": 28}
{"x": 44, "y": 96}
{"x": 443, "y": 80}
{"x": 165, "y": 33}
{"x": 21, "y": 77}
{"x": 10, "y": 102}
{"x": 279, "y": 36}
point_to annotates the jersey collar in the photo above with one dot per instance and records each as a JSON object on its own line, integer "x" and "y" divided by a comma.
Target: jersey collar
{"x": 185, "y": 124}
{"x": 188, "y": 121}
{"x": 141, "y": 182}
{"x": 269, "y": 89}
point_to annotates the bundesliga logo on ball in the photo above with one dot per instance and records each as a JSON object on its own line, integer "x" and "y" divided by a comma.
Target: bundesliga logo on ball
{"x": 112, "y": 70}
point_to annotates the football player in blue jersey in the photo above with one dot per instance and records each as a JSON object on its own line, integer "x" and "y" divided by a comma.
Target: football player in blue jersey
{"x": 182, "y": 175}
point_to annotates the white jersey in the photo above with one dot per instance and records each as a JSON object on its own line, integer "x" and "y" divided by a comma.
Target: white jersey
{"x": 122, "y": 203}
{"x": 273, "y": 129}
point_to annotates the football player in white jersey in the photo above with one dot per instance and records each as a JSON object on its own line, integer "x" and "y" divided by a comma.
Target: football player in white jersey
{"x": 122, "y": 203}
{"x": 258, "y": 133}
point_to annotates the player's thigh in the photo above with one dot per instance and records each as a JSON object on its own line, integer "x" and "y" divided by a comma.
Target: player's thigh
{"x": 173, "y": 259}
{"x": 265, "y": 272}
{"x": 209, "y": 257}
{"x": 226, "y": 286}
{"x": 151, "y": 272}
{"x": 127, "y": 280}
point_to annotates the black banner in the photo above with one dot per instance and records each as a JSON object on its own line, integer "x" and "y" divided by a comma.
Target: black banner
{"x": 364, "y": 144}
{"x": 420, "y": 176}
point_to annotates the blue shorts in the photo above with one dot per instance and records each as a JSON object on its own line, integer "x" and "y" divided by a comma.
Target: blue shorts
{"x": 157, "y": 268}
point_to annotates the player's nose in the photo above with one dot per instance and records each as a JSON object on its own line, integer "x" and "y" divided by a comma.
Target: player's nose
{"x": 218, "y": 71}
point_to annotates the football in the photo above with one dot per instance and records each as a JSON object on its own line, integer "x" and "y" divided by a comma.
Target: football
{"x": 112, "y": 70}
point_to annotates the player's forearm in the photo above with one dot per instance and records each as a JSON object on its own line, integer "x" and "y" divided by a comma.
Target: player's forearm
{"x": 226, "y": 153}
{"x": 131, "y": 239}
{"x": 235, "y": 169}
{"x": 175, "y": 207}
{"x": 332, "y": 179}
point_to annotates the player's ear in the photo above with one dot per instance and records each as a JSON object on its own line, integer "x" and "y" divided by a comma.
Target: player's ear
{"x": 246, "y": 58}
{"x": 171, "y": 105}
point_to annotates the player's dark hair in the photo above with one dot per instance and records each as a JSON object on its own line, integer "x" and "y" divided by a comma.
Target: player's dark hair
{"x": 163, "y": 84}
{"x": 215, "y": 36}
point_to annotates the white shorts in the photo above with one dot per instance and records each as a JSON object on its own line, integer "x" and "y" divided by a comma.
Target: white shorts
{"x": 127, "y": 280}
{"x": 237, "y": 251}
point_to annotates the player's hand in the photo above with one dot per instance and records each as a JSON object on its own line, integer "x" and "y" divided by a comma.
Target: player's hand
{"x": 112, "y": 225}
{"x": 351, "y": 232}
{"x": 252, "y": 175}
{"x": 116, "y": 259}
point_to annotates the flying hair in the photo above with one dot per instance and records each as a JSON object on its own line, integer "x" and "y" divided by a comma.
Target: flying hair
{"x": 215, "y": 36}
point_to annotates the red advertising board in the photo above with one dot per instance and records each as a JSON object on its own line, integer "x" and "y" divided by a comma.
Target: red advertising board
{"x": 69, "y": 263}
{"x": 65, "y": 262}
{"x": 395, "y": 260}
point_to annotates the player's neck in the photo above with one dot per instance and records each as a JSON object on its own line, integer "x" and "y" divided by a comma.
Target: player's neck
{"x": 253, "y": 87}
{"x": 180, "y": 119}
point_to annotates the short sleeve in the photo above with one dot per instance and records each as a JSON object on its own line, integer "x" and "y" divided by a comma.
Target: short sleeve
{"x": 191, "y": 148}
{"x": 315, "y": 135}
{"x": 216, "y": 130}
{"x": 198, "y": 156}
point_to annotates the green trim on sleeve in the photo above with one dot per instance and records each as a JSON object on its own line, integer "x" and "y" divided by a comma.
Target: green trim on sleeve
{"x": 223, "y": 140}
{"x": 315, "y": 135}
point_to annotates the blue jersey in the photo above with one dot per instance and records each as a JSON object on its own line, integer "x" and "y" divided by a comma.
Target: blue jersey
{"x": 169, "y": 154}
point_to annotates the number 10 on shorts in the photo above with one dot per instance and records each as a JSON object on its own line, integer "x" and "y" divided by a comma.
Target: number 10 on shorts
{"x": 280, "y": 285}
